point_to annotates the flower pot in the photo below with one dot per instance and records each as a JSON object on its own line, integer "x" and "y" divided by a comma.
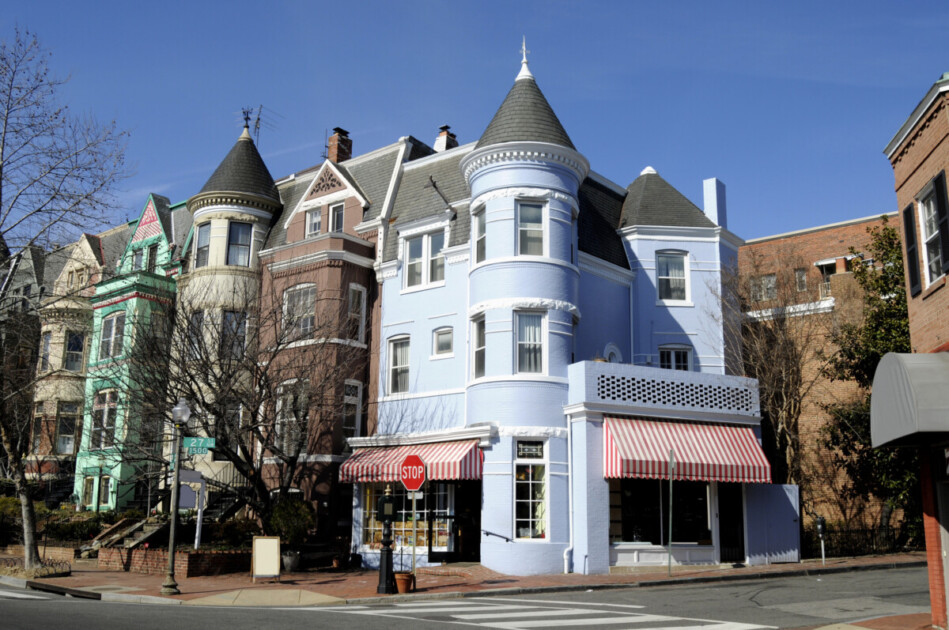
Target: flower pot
{"x": 404, "y": 581}
{"x": 291, "y": 560}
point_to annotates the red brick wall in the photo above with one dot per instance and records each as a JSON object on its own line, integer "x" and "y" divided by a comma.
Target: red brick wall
{"x": 187, "y": 564}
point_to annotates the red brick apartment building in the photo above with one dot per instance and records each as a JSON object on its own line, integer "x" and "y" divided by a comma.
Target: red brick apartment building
{"x": 910, "y": 404}
{"x": 808, "y": 272}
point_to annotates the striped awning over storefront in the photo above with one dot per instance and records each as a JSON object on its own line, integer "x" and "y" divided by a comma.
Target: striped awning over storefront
{"x": 443, "y": 461}
{"x": 639, "y": 447}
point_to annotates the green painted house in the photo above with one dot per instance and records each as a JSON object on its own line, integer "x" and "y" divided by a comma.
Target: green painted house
{"x": 119, "y": 458}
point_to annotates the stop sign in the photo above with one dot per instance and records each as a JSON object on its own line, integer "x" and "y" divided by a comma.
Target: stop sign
{"x": 412, "y": 472}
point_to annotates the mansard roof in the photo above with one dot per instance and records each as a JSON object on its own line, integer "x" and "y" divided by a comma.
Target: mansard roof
{"x": 243, "y": 171}
{"x": 525, "y": 116}
{"x": 651, "y": 200}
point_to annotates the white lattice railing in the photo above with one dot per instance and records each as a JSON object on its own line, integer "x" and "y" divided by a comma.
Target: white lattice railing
{"x": 646, "y": 388}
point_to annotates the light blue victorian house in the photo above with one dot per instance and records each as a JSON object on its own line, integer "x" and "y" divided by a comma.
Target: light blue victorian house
{"x": 551, "y": 345}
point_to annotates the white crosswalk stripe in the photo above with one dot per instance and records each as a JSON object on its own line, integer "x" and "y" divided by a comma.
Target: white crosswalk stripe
{"x": 529, "y": 614}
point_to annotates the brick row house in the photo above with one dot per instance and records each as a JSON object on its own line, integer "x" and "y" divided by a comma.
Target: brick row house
{"x": 910, "y": 407}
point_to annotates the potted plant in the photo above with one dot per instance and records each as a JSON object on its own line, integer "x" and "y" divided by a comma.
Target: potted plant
{"x": 291, "y": 519}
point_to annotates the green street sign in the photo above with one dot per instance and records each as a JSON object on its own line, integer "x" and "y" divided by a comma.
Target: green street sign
{"x": 199, "y": 442}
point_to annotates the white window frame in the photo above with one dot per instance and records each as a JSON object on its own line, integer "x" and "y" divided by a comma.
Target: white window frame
{"x": 539, "y": 461}
{"x": 337, "y": 221}
{"x": 446, "y": 354}
{"x": 314, "y": 227}
{"x": 108, "y": 344}
{"x": 675, "y": 348}
{"x": 543, "y": 227}
{"x": 361, "y": 331}
{"x": 391, "y": 366}
{"x": 426, "y": 261}
{"x": 926, "y": 204}
{"x": 687, "y": 299}
{"x": 476, "y": 323}
{"x": 352, "y": 400}
{"x": 294, "y": 328}
{"x": 518, "y": 342}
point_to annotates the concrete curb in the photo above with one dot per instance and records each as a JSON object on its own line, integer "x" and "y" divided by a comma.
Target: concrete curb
{"x": 152, "y": 599}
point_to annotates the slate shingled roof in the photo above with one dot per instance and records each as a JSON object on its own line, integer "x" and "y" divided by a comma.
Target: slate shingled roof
{"x": 525, "y": 116}
{"x": 419, "y": 199}
{"x": 651, "y": 200}
{"x": 243, "y": 171}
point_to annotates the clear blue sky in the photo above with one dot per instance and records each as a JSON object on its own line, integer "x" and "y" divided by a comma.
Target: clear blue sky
{"x": 790, "y": 104}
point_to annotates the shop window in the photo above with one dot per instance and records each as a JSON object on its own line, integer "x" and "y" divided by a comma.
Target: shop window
{"x": 530, "y": 229}
{"x": 238, "y": 244}
{"x": 424, "y": 260}
{"x": 530, "y": 344}
{"x": 314, "y": 221}
{"x": 675, "y": 358}
{"x": 442, "y": 342}
{"x": 479, "y": 354}
{"x": 672, "y": 276}
{"x": 233, "y": 335}
{"x": 202, "y": 246}
{"x": 352, "y": 409}
{"x": 104, "y": 409}
{"x": 645, "y": 511}
{"x": 75, "y": 351}
{"x": 110, "y": 341}
{"x": 436, "y": 504}
{"x": 67, "y": 421}
{"x": 530, "y": 491}
{"x": 299, "y": 311}
{"x": 399, "y": 365}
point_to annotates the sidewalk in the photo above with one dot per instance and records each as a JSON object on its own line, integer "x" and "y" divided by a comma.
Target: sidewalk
{"x": 327, "y": 586}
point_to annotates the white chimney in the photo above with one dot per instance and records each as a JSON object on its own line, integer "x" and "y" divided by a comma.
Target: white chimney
{"x": 715, "y": 202}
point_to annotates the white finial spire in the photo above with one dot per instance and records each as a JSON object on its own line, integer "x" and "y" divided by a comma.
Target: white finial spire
{"x": 525, "y": 72}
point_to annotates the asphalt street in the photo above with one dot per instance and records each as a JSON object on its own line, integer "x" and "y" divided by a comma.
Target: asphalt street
{"x": 747, "y": 605}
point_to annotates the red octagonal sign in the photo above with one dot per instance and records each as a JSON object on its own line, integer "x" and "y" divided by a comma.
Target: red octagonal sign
{"x": 412, "y": 472}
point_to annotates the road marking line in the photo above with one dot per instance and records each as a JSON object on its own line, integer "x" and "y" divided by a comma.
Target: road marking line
{"x": 559, "y": 612}
{"x": 564, "y": 603}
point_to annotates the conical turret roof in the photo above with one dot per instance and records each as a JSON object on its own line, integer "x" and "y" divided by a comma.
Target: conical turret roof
{"x": 243, "y": 171}
{"x": 525, "y": 116}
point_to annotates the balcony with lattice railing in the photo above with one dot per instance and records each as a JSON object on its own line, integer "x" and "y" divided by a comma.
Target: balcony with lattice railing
{"x": 633, "y": 389}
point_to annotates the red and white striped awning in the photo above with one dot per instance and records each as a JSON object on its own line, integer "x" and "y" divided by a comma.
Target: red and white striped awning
{"x": 639, "y": 447}
{"x": 443, "y": 461}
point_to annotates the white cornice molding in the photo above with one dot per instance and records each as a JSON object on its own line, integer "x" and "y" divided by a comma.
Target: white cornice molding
{"x": 524, "y": 303}
{"x": 608, "y": 271}
{"x": 525, "y": 152}
{"x": 483, "y": 433}
{"x": 525, "y": 192}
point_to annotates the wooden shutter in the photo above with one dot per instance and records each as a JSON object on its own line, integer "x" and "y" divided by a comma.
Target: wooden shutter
{"x": 942, "y": 213}
{"x": 912, "y": 255}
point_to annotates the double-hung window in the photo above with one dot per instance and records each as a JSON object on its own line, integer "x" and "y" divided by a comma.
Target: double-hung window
{"x": 336, "y": 217}
{"x": 530, "y": 491}
{"x": 67, "y": 421}
{"x": 299, "y": 308}
{"x": 202, "y": 246}
{"x": 103, "y": 419}
{"x": 352, "y": 409}
{"x": 399, "y": 365}
{"x": 478, "y": 339}
{"x": 932, "y": 246}
{"x": 481, "y": 236}
{"x": 238, "y": 244}
{"x": 529, "y": 328}
{"x": 671, "y": 276}
{"x": 314, "y": 221}
{"x": 110, "y": 339}
{"x": 675, "y": 358}
{"x": 530, "y": 229}
{"x": 75, "y": 351}
{"x": 424, "y": 260}
{"x": 233, "y": 334}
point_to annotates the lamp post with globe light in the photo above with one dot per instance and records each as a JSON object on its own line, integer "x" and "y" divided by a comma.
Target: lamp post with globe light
{"x": 180, "y": 414}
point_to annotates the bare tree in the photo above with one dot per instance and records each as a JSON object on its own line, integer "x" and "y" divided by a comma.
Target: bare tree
{"x": 57, "y": 172}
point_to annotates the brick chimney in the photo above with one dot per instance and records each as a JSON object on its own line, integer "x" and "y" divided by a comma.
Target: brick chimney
{"x": 445, "y": 140}
{"x": 340, "y": 147}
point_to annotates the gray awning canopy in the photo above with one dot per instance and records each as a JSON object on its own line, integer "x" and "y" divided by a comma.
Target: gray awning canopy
{"x": 910, "y": 404}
